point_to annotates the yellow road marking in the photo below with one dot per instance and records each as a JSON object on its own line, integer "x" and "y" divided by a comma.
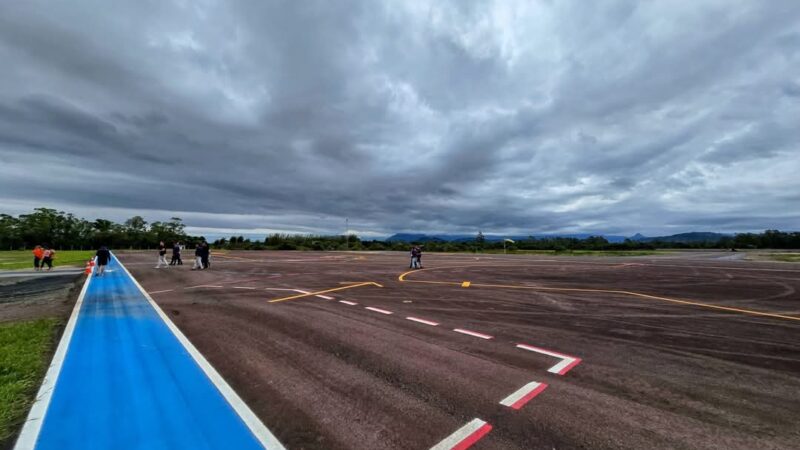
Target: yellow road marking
{"x": 292, "y": 297}
{"x": 605, "y": 291}
{"x": 465, "y": 284}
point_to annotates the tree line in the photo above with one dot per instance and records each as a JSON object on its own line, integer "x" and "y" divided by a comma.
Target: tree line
{"x": 60, "y": 230}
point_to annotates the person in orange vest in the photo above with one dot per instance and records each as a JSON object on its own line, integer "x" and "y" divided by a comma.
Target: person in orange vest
{"x": 38, "y": 254}
{"x": 47, "y": 258}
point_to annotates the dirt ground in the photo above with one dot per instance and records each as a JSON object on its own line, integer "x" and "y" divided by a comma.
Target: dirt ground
{"x": 660, "y": 365}
{"x": 29, "y": 298}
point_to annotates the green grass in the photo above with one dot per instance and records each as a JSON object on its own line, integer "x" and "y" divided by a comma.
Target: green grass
{"x": 23, "y": 349}
{"x": 787, "y": 257}
{"x": 23, "y": 259}
{"x": 582, "y": 252}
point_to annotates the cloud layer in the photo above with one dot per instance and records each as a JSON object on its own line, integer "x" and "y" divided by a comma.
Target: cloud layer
{"x": 616, "y": 117}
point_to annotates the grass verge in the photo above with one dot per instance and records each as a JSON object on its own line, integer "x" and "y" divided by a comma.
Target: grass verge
{"x": 25, "y": 349}
{"x": 23, "y": 259}
{"x": 581, "y": 252}
{"x": 786, "y": 257}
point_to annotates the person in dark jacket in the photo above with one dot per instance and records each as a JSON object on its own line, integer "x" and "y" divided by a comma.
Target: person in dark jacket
{"x": 198, "y": 257}
{"x": 103, "y": 258}
{"x": 206, "y": 255}
{"x": 176, "y": 255}
{"x": 162, "y": 255}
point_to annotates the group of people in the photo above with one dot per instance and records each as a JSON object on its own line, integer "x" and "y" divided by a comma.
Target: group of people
{"x": 43, "y": 256}
{"x": 201, "y": 256}
{"x": 416, "y": 257}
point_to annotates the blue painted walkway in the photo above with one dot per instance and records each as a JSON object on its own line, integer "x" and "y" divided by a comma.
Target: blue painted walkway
{"x": 128, "y": 383}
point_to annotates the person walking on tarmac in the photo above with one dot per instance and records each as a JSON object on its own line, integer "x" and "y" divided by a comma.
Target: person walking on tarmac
{"x": 162, "y": 253}
{"x": 47, "y": 258}
{"x": 176, "y": 255}
{"x": 103, "y": 257}
{"x": 206, "y": 256}
{"x": 414, "y": 257}
{"x": 198, "y": 257}
{"x": 38, "y": 254}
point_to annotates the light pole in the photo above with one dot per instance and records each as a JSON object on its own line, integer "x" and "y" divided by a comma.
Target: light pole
{"x": 346, "y": 236}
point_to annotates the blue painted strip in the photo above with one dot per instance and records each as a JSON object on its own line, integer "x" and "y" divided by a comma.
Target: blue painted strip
{"x": 128, "y": 383}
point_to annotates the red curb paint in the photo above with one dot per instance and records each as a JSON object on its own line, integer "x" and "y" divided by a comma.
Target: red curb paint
{"x": 521, "y": 402}
{"x": 476, "y": 436}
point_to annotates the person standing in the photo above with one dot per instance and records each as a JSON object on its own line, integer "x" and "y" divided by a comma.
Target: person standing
{"x": 103, "y": 257}
{"x": 414, "y": 256}
{"x": 162, "y": 255}
{"x": 206, "y": 256}
{"x": 198, "y": 257}
{"x": 176, "y": 255}
{"x": 38, "y": 254}
{"x": 47, "y": 258}
{"x": 419, "y": 257}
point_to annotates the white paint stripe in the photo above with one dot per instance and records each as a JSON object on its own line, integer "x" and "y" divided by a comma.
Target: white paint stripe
{"x": 521, "y": 392}
{"x": 33, "y": 423}
{"x": 566, "y": 360}
{"x": 564, "y": 363}
{"x": 472, "y": 333}
{"x": 542, "y": 351}
{"x": 203, "y": 286}
{"x": 280, "y": 289}
{"x": 243, "y": 287}
{"x": 155, "y": 292}
{"x": 259, "y": 430}
{"x": 426, "y": 322}
{"x": 462, "y": 433}
{"x": 325, "y": 297}
{"x": 348, "y": 303}
{"x": 382, "y": 311}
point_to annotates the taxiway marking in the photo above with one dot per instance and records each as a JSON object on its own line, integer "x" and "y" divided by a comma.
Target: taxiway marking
{"x": 604, "y": 291}
{"x": 465, "y": 436}
{"x": 523, "y": 395}
{"x": 292, "y": 297}
{"x": 472, "y": 333}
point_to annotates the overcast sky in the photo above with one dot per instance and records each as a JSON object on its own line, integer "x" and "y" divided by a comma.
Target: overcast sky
{"x": 509, "y": 117}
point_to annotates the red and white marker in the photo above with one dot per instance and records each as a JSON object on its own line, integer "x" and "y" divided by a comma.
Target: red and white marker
{"x": 523, "y": 395}
{"x": 465, "y": 436}
{"x": 472, "y": 333}
{"x": 566, "y": 364}
{"x": 426, "y": 322}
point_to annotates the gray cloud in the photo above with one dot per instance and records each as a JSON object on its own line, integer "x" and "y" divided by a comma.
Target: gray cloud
{"x": 515, "y": 117}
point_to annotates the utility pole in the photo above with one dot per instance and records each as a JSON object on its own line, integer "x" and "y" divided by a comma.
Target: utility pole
{"x": 346, "y": 235}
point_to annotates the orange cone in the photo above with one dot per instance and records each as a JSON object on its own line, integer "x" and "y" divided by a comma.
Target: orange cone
{"x": 88, "y": 269}
{"x": 91, "y": 263}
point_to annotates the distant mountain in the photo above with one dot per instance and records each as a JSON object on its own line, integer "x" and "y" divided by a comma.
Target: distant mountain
{"x": 412, "y": 237}
{"x": 683, "y": 238}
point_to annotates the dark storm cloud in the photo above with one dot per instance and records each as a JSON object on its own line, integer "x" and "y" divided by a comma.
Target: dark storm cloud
{"x": 515, "y": 117}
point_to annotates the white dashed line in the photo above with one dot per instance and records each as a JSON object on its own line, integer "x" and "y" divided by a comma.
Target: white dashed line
{"x": 378, "y": 310}
{"x": 158, "y": 292}
{"x": 348, "y": 303}
{"x": 472, "y": 333}
{"x": 465, "y": 436}
{"x": 566, "y": 364}
{"x": 523, "y": 395}
{"x": 426, "y": 322}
